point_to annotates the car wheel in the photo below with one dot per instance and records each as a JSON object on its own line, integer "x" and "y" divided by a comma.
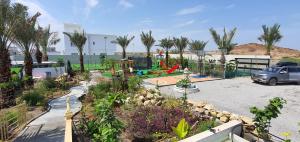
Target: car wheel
{"x": 272, "y": 81}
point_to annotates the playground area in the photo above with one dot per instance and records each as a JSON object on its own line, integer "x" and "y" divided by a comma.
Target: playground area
{"x": 172, "y": 80}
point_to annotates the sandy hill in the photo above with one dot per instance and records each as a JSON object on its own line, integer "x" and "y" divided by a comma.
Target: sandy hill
{"x": 259, "y": 49}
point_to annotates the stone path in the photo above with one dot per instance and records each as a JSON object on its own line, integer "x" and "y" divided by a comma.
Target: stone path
{"x": 50, "y": 126}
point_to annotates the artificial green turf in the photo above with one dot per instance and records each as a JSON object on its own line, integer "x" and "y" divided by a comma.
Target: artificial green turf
{"x": 109, "y": 75}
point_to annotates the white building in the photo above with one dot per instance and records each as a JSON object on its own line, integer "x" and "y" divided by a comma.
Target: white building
{"x": 96, "y": 44}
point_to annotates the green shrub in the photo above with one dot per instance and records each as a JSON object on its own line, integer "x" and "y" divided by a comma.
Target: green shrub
{"x": 134, "y": 83}
{"x": 116, "y": 99}
{"x": 48, "y": 83}
{"x": 106, "y": 127}
{"x": 172, "y": 102}
{"x": 18, "y": 83}
{"x": 206, "y": 125}
{"x": 262, "y": 118}
{"x": 33, "y": 98}
{"x": 99, "y": 91}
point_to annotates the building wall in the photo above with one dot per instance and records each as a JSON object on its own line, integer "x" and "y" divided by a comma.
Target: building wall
{"x": 95, "y": 44}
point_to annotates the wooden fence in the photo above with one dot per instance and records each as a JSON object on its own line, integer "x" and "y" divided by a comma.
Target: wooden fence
{"x": 11, "y": 121}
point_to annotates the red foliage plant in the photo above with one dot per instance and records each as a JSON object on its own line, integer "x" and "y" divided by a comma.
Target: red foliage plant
{"x": 148, "y": 120}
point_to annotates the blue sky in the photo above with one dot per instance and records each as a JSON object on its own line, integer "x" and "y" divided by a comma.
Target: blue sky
{"x": 190, "y": 18}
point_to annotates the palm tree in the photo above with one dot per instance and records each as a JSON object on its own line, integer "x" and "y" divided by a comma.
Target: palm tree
{"x": 181, "y": 43}
{"x": 47, "y": 40}
{"x": 38, "y": 53}
{"x": 148, "y": 40}
{"x": 270, "y": 36}
{"x": 197, "y": 47}
{"x": 26, "y": 38}
{"x": 78, "y": 39}
{"x": 123, "y": 41}
{"x": 225, "y": 43}
{"x": 167, "y": 44}
{"x": 8, "y": 21}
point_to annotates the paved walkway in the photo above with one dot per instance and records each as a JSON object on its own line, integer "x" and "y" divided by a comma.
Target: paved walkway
{"x": 50, "y": 126}
{"x": 239, "y": 94}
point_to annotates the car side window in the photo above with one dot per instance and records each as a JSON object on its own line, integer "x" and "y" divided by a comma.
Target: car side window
{"x": 293, "y": 70}
{"x": 284, "y": 70}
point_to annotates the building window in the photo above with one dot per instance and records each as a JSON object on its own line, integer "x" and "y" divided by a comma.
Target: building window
{"x": 93, "y": 42}
{"x": 71, "y": 44}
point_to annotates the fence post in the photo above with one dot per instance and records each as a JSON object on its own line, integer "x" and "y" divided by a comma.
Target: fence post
{"x": 68, "y": 116}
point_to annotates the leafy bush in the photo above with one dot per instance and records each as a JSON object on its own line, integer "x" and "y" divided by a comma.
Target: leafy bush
{"x": 105, "y": 127}
{"x": 18, "y": 83}
{"x": 99, "y": 91}
{"x": 205, "y": 125}
{"x": 48, "y": 84}
{"x": 33, "y": 98}
{"x": 172, "y": 102}
{"x": 262, "y": 118}
{"x": 116, "y": 98}
{"x": 146, "y": 121}
{"x": 134, "y": 83}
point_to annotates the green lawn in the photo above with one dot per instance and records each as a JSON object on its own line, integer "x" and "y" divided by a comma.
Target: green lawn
{"x": 15, "y": 69}
{"x": 76, "y": 67}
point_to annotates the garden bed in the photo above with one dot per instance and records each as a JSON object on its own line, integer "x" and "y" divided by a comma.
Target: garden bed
{"x": 137, "y": 115}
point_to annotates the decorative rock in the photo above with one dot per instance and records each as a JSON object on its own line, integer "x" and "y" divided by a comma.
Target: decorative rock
{"x": 220, "y": 114}
{"x": 213, "y": 113}
{"x": 150, "y": 96}
{"x": 224, "y": 119}
{"x": 141, "y": 98}
{"x": 234, "y": 117}
{"x": 247, "y": 120}
{"x": 158, "y": 103}
{"x": 153, "y": 102}
{"x": 206, "y": 112}
{"x": 209, "y": 107}
{"x": 148, "y": 102}
{"x": 159, "y": 97}
{"x": 200, "y": 104}
{"x": 226, "y": 113}
{"x": 200, "y": 110}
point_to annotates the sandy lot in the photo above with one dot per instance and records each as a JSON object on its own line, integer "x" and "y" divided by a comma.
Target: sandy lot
{"x": 239, "y": 94}
{"x": 171, "y": 80}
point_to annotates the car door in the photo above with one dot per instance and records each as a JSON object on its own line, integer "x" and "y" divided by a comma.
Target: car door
{"x": 283, "y": 75}
{"x": 294, "y": 74}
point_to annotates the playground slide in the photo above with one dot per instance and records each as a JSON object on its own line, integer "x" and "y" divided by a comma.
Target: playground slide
{"x": 173, "y": 69}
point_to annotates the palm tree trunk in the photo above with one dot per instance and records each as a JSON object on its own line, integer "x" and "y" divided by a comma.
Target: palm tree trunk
{"x": 124, "y": 53}
{"x": 6, "y": 93}
{"x": 38, "y": 55}
{"x": 223, "y": 61}
{"x": 28, "y": 67}
{"x": 81, "y": 62}
{"x": 45, "y": 57}
{"x": 167, "y": 59}
{"x": 148, "y": 58}
{"x": 181, "y": 59}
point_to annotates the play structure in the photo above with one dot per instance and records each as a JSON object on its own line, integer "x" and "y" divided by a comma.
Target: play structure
{"x": 173, "y": 69}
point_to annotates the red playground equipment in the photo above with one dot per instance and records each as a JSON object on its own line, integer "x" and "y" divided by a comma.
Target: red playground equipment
{"x": 173, "y": 69}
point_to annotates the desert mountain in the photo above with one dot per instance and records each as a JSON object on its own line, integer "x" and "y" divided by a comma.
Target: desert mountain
{"x": 259, "y": 49}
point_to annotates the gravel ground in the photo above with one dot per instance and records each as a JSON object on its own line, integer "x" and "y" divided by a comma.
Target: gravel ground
{"x": 239, "y": 94}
